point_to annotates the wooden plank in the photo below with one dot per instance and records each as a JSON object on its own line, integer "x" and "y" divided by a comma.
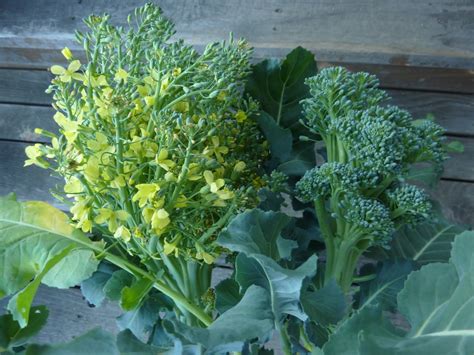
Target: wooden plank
{"x": 434, "y": 33}
{"x": 460, "y": 166}
{"x": 457, "y": 201}
{"x": 24, "y": 86}
{"x": 29, "y": 183}
{"x": 452, "y": 111}
{"x": 416, "y": 77}
{"x": 18, "y": 122}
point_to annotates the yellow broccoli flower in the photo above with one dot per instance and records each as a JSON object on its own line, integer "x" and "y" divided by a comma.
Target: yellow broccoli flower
{"x": 34, "y": 154}
{"x": 176, "y": 72}
{"x": 66, "y": 75}
{"x": 80, "y": 213}
{"x": 66, "y": 52}
{"x": 91, "y": 170}
{"x": 70, "y": 128}
{"x": 121, "y": 75}
{"x": 100, "y": 143}
{"x": 172, "y": 247}
{"x": 145, "y": 193}
{"x": 240, "y": 116}
{"x": 214, "y": 185}
{"x": 182, "y": 107}
{"x": 160, "y": 220}
{"x": 216, "y": 149}
{"x": 203, "y": 255}
{"x": 123, "y": 233}
{"x": 194, "y": 172}
{"x": 163, "y": 161}
{"x": 73, "y": 186}
{"x": 111, "y": 217}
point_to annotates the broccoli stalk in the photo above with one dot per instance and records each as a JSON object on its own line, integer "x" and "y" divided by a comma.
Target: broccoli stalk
{"x": 360, "y": 195}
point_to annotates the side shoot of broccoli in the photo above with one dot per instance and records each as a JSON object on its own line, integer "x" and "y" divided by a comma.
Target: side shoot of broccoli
{"x": 360, "y": 195}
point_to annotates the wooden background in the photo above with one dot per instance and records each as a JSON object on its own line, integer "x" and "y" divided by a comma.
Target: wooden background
{"x": 423, "y": 52}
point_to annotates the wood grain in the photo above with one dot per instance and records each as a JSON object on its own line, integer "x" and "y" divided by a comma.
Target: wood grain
{"x": 434, "y": 33}
{"x": 24, "y": 86}
{"x": 29, "y": 183}
{"x": 18, "y": 122}
{"x": 455, "y": 112}
{"x": 457, "y": 201}
{"x": 452, "y": 111}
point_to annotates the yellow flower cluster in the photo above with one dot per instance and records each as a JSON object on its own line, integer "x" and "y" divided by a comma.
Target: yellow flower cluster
{"x": 163, "y": 150}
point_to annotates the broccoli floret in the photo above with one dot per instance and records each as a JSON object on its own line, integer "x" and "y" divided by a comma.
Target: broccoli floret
{"x": 335, "y": 91}
{"x": 369, "y": 220}
{"x": 430, "y": 141}
{"x": 357, "y": 194}
{"x": 409, "y": 204}
{"x": 332, "y": 178}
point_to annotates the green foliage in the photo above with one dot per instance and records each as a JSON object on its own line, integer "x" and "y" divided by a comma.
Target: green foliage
{"x": 13, "y": 336}
{"x": 36, "y": 241}
{"x": 437, "y": 302}
{"x": 279, "y": 85}
{"x": 225, "y": 334}
{"x": 427, "y": 242}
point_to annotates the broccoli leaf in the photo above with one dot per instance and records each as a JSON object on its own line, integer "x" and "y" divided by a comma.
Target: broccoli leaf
{"x": 37, "y": 243}
{"x": 389, "y": 279}
{"x": 280, "y": 139}
{"x": 437, "y": 301}
{"x": 284, "y": 285}
{"x": 96, "y": 341}
{"x": 11, "y": 335}
{"x": 326, "y": 305}
{"x": 93, "y": 288}
{"x": 251, "y": 318}
{"x": 279, "y": 85}
{"x": 258, "y": 232}
{"x": 425, "y": 243}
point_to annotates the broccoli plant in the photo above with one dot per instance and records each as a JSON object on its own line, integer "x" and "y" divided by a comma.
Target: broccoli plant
{"x": 360, "y": 195}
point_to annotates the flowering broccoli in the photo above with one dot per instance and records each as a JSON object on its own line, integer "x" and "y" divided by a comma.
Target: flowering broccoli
{"x": 156, "y": 145}
{"x": 359, "y": 194}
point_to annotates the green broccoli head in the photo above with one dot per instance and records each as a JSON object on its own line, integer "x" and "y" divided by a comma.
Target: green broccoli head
{"x": 408, "y": 203}
{"x": 332, "y": 178}
{"x": 336, "y": 91}
{"x": 368, "y": 221}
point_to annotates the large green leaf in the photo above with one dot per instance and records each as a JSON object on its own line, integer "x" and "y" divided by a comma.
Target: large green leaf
{"x": 389, "y": 280}
{"x": 283, "y": 285}
{"x": 326, "y": 305}
{"x": 37, "y": 243}
{"x": 250, "y": 319}
{"x": 279, "y": 85}
{"x": 258, "y": 232}
{"x": 437, "y": 301}
{"x": 142, "y": 319}
{"x": 93, "y": 288}
{"x": 12, "y": 335}
{"x": 227, "y": 295}
{"x": 425, "y": 243}
{"x": 19, "y": 305}
{"x": 279, "y": 138}
{"x": 96, "y": 341}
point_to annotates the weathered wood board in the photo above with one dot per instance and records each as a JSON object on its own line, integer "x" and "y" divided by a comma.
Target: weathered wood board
{"x": 427, "y": 33}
